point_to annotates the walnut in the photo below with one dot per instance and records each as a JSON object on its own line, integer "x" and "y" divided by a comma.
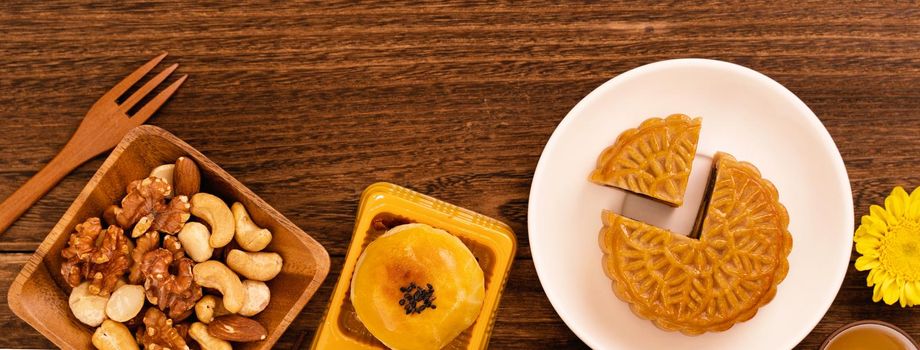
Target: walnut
{"x": 83, "y": 241}
{"x": 145, "y": 243}
{"x": 158, "y": 332}
{"x": 142, "y": 196}
{"x": 171, "y": 219}
{"x": 110, "y": 261}
{"x": 70, "y": 269}
{"x": 146, "y": 208}
{"x": 96, "y": 255}
{"x": 169, "y": 282}
{"x": 80, "y": 245}
{"x": 172, "y": 244}
{"x": 182, "y": 329}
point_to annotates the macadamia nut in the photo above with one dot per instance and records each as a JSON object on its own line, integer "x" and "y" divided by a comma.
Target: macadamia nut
{"x": 125, "y": 302}
{"x": 88, "y": 308}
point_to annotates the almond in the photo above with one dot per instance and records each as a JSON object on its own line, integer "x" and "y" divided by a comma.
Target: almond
{"x": 237, "y": 328}
{"x": 186, "y": 176}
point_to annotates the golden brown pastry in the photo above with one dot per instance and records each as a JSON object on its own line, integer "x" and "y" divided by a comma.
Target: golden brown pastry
{"x": 711, "y": 283}
{"x": 653, "y": 160}
{"x": 417, "y": 287}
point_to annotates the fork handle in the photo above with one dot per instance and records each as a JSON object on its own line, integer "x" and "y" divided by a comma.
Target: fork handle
{"x": 36, "y": 187}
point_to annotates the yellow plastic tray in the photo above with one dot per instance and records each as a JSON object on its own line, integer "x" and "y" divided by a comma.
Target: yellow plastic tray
{"x": 384, "y": 205}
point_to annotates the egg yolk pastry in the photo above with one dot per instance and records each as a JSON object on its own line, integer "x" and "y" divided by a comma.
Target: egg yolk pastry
{"x": 417, "y": 287}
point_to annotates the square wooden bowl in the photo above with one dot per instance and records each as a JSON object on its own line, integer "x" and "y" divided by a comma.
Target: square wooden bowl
{"x": 39, "y": 295}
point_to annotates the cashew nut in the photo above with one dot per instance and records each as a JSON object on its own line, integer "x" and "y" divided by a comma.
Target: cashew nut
{"x": 166, "y": 172}
{"x": 251, "y": 237}
{"x": 113, "y": 336}
{"x": 125, "y": 302}
{"x": 214, "y": 274}
{"x": 257, "y": 297}
{"x": 260, "y": 266}
{"x": 209, "y": 307}
{"x": 199, "y": 332}
{"x": 88, "y": 308}
{"x": 194, "y": 238}
{"x": 215, "y": 212}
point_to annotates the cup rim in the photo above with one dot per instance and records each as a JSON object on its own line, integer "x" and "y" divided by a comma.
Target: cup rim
{"x": 867, "y": 322}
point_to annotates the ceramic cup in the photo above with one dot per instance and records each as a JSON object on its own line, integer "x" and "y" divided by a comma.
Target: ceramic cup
{"x": 891, "y": 330}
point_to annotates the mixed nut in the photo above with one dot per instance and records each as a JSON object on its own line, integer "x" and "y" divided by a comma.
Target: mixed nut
{"x": 154, "y": 276}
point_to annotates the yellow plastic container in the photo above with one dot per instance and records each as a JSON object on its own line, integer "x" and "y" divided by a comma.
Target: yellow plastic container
{"x": 385, "y": 205}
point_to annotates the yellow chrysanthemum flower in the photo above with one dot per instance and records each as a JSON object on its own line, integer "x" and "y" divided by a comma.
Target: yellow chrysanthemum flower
{"x": 889, "y": 241}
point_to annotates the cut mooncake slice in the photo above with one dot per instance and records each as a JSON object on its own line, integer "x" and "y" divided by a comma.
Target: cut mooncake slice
{"x": 653, "y": 160}
{"x": 707, "y": 284}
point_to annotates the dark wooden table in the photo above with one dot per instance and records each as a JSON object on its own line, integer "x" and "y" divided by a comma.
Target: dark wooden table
{"x": 307, "y": 104}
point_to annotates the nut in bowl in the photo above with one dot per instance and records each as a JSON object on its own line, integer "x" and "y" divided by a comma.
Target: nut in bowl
{"x": 172, "y": 254}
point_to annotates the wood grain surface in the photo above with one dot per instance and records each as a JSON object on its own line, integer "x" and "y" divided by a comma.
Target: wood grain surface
{"x": 308, "y": 103}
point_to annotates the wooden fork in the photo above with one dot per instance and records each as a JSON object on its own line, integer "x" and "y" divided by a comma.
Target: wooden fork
{"x": 101, "y": 129}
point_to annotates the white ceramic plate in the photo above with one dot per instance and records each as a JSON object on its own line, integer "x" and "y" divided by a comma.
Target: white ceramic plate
{"x": 745, "y": 113}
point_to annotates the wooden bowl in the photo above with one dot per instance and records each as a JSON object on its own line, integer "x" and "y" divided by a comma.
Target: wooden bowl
{"x": 39, "y": 295}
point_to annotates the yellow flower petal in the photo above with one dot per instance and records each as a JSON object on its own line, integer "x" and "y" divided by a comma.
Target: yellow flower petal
{"x": 890, "y": 291}
{"x": 866, "y": 245}
{"x": 870, "y": 279}
{"x": 881, "y": 213}
{"x": 864, "y": 263}
{"x": 910, "y": 294}
{"x": 871, "y": 252}
{"x": 913, "y": 207}
{"x": 877, "y": 293}
{"x": 869, "y": 220}
{"x": 896, "y": 203}
{"x": 883, "y": 276}
{"x": 860, "y": 232}
{"x": 874, "y": 226}
{"x": 912, "y": 290}
{"x": 866, "y": 231}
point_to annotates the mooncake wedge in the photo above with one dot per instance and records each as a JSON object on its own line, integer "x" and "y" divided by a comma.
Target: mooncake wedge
{"x": 652, "y": 160}
{"x": 707, "y": 284}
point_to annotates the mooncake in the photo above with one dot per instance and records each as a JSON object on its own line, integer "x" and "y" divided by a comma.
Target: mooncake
{"x": 417, "y": 287}
{"x": 710, "y": 283}
{"x": 652, "y": 160}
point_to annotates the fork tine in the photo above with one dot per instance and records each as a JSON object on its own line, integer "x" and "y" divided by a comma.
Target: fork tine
{"x": 154, "y": 104}
{"x": 131, "y": 79}
{"x": 144, "y": 90}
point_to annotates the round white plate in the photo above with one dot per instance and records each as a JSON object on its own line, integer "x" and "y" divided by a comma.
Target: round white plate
{"x": 745, "y": 113}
